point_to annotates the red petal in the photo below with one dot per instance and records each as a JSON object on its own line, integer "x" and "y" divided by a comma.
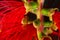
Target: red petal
{"x": 11, "y": 24}
{"x": 56, "y": 19}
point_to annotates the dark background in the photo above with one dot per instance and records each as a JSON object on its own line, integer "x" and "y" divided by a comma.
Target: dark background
{"x": 51, "y": 4}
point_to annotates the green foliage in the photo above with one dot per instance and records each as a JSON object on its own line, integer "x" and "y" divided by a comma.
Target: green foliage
{"x": 47, "y": 24}
{"x": 45, "y": 11}
{"x": 40, "y": 34}
{"x": 37, "y": 22}
{"x": 33, "y": 5}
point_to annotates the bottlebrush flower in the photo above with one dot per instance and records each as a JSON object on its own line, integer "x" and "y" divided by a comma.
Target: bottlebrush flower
{"x": 12, "y": 28}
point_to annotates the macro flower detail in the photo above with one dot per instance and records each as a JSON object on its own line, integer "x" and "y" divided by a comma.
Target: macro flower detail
{"x": 28, "y": 20}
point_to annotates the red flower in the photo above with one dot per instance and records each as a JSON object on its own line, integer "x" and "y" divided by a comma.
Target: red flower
{"x": 10, "y": 24}
{"x": 56, "y": 19}
{"x": 12, "y": 28}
